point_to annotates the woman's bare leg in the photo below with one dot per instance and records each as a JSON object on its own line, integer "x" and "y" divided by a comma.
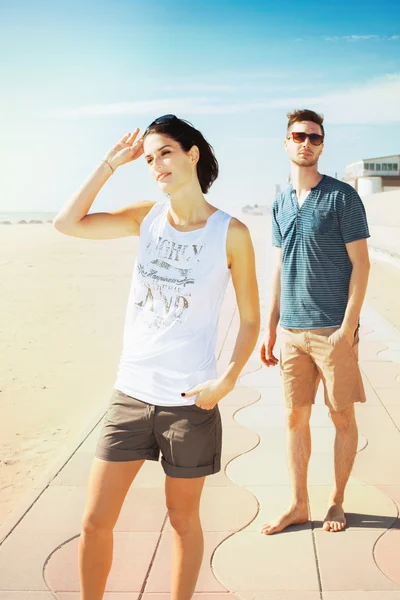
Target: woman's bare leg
{"x": 183, "y": 503}
{"x": 108, "y": 485}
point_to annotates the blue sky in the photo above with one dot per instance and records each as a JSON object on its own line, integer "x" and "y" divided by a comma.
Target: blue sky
{"x": 75, "y": 76}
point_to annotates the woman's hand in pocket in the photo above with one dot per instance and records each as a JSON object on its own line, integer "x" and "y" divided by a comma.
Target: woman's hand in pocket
{"x": 209, "y": 393}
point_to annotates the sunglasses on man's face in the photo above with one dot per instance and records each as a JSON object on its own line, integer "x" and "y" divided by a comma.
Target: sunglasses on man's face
{"x": 316, "y": 139}
{"x": 161, "y": 120}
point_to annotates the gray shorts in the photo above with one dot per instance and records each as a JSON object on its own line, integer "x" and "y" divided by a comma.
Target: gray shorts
{"x": 188, "y": 437}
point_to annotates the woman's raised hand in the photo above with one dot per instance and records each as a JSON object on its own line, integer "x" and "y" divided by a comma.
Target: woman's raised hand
{"x": 126, "y": 150}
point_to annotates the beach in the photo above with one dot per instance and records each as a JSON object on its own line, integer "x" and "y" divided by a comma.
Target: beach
{"x": 63, "y": 304}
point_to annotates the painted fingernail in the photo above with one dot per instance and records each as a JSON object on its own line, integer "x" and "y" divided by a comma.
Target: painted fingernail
{"x": 183, "y": 394}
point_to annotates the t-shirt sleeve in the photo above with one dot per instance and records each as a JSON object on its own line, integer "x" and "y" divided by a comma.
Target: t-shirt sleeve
{"x": 276, "y": 230}
{"x": 353, "y": 218}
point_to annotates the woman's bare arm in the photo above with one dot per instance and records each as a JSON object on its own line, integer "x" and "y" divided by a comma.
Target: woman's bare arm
{"x": 74, "y": 220}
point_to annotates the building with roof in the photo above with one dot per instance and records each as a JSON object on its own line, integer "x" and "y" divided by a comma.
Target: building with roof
{"x": 372, "y": 175}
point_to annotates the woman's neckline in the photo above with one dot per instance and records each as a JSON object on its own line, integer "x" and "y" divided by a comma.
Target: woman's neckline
{"x": 178, "y": 231}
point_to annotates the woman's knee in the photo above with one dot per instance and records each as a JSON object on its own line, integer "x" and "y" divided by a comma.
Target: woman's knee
{"x": 182, "y": 521}
{"x": 93, "y": 524}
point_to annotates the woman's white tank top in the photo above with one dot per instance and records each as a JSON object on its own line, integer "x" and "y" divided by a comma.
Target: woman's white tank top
{"x": 178, "y": 285}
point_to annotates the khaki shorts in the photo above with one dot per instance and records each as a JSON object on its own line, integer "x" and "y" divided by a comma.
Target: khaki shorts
{"x": 307, "y": 356}
{"x": 188, "y": 437}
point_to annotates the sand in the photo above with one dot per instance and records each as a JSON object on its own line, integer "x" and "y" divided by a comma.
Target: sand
{"x": 62, "y": 310}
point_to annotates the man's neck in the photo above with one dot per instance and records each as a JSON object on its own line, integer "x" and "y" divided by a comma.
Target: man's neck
{"x": 304, "y": 178}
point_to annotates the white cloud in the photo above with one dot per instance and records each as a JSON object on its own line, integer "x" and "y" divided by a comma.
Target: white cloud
{"x": 359, "y": 38}
{"x": 375, "y": 102}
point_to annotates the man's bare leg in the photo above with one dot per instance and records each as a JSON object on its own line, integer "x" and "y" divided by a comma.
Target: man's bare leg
{"x": 346, "y": 441}
{"x": 298, "y": 454}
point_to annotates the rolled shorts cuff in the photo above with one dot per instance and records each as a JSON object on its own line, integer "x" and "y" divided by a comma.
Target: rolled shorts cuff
{"x": 191, "y": 472}
{"x": 115, "y": 455}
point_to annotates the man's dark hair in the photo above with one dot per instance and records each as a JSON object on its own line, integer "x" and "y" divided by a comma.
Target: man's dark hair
{"x": 297, "y": 116}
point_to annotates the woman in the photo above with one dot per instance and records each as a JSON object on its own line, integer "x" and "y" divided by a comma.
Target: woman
{"x": 167, "y": 390}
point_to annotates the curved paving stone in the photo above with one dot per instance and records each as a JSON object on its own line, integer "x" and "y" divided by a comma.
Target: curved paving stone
{"x": 225, "y": 509}
{"x": 240, "y": 396}
{"x": 264, "y": 377}
{"x": 387, "y": 553}
{"x": 132, "y": 555}
{"x": 372, "y": 351}
{"x": 353, "y": 560}
{"x": 251, "y": 561}
{"x": 366, "y": 507}
{"x": 236, "y": 443}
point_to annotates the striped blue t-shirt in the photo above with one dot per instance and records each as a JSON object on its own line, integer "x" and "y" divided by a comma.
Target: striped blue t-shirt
{"x": 316, "y": 268}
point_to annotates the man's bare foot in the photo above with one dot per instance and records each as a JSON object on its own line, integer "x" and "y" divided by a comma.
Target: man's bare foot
{"x": 294, "y": 516}
{"x": 335, "y": 519}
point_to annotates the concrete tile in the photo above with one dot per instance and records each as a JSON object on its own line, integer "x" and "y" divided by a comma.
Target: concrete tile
{"x": 366, "y": 507}
{"x": 220, "y": 479}
{"x": 252, "y": 561}
{"x": 160, "y": 574}
{"x": 379, "y": 595}
{"x": 271, "y": 396}
{"x": 90, "y": 444}
{"x": 371, "y": 351}
{"x": 31, "y": 551}
{"x": 143, "y": 510}
{"x": 76, "y": 471}
{"x": 338, "y": 568}
{"x": 256, "y": 416}
{"x": 370, "y": 392}
{"x": 26, "y": 595}
{"x": 228, "y": 416}
{"x": 392, "y": 352}
{"x": 107, "y": 596}
{"x": 380, "y": 374}
{"x": 389, "y": 396}
{"x": 236, "y": 440}
{"x": 196, "y": 596}
{"x": 394, "y": 412}
{"x": 387, "y": 553}
{"x": 58, "y": 504}
{"x": 379, "y": 463}
{"x": 132, "y": 556}
{"x": 225, "y": 359}
{"x": 225, "y": 509}
{"x": 392, "y": 491}
{"x": 373, "y": 416}
{"x": 273, "y": 501}
{"x": 240, "y": 396}
{"x": 150, "y": 475}
{"x": 264, "y": 377}
{"x": 259, "y": 468}
{"x": 279, "y": 595}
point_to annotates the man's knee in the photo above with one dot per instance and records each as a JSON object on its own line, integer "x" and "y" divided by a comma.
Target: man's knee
{"x": 299, "y": 417}
{"x": 344, "y": 420}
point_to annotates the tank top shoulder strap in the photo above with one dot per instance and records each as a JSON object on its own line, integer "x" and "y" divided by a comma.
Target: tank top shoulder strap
{"x": 218, "y": 231}
{"x": 155, "y": 212}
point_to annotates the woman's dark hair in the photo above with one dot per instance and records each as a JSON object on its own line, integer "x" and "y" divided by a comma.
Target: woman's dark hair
{"x": 187, "y": 136}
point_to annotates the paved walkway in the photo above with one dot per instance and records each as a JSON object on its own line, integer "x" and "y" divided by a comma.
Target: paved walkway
{"x": 38, "y": 556}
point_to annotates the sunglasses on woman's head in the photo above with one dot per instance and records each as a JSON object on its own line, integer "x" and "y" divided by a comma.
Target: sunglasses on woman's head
{"x": 316, "y": 139}
{"x": 161, "y": 120}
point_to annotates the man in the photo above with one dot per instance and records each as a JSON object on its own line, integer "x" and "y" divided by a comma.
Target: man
{"x": 318, "y": 288}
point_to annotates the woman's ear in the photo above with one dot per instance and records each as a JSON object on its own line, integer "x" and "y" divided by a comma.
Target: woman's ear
{"x": 194, "y": 153}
